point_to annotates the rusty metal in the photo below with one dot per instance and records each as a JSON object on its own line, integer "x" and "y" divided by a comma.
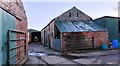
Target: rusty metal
{"x": 78, "y": 26}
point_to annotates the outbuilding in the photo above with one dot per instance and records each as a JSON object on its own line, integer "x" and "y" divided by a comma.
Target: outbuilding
{"x": 73, "y": 31}
{"x": 34, "y": 36}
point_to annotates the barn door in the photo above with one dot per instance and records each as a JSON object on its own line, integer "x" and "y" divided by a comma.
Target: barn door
{"x": 57, "y": 44}
{"x": 14, "y": 52}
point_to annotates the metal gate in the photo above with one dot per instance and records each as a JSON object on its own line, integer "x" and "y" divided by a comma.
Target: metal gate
{"x": 9, "y": 48}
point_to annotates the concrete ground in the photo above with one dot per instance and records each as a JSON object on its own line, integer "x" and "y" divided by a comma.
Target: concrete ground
{"x": 101, "y": 57}
{"x": 40, "y": 55}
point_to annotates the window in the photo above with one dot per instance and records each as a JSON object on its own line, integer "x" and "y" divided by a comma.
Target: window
{"x": 49, "y": 27}
{"x": 69, "y": 14}
{"x": 77, "y": 14}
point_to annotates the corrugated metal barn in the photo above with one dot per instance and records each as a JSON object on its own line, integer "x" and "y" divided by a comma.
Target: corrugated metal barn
{"x": 72, "y": 31}
{"x": 110, "y": 23}
{"x": 13, "y": 33}
{"x": 34, "y": 36}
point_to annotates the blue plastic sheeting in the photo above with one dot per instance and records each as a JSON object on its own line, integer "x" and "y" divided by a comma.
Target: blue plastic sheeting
{"x": 78, "y": 26}
{"x": 115, "y": 43}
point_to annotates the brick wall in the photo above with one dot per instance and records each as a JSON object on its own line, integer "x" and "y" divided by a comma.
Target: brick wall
{"x": 73, "y": 41}
{"x": 16, "y": 9}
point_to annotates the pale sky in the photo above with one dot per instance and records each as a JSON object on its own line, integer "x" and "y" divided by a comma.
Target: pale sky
{"x": 40, "y": 13}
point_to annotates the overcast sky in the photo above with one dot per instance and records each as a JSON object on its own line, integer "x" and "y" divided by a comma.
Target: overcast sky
{"x": 40, "y": 13}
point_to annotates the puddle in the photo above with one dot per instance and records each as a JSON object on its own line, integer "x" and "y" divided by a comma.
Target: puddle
{"x": 37, "y": 54}
{"x": 70, "y": 56}
{"x": 73, "y": 57}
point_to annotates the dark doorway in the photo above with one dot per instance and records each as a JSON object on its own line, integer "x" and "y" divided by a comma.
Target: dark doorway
{"x": 119, "y": 26}
{"x": 36, "y": 37}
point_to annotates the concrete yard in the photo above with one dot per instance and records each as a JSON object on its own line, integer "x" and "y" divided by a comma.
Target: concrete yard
{"x": 38, "y": 54}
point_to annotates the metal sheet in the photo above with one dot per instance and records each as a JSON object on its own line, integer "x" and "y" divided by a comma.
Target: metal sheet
{"x": 78, "y": 26}
{"x": 110, "y": 24}
{"x": 9, "y": 22}
{"x": 0, "y": 37}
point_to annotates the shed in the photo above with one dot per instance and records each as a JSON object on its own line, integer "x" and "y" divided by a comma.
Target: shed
{"x": 74, "y": 36}
{"x": 34, "y": 35}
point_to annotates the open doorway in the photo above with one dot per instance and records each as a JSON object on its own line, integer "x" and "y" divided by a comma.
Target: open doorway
{"x": 36, "y": 37}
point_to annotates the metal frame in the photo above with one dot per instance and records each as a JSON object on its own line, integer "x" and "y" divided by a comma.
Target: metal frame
{"x": 8, "y": 45}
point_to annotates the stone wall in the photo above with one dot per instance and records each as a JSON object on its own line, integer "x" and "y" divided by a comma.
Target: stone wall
{"x": 74, "y": 14}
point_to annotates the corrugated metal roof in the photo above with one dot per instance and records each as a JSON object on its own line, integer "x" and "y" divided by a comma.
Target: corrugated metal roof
{"x": 78, "y": 26}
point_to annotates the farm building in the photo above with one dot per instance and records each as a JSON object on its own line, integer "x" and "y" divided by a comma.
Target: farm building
{"x": 34, "y": 36}
{"x": 110, "y": 23}
{"x": 73, "y": 30}
{"x": 13, "y": 33}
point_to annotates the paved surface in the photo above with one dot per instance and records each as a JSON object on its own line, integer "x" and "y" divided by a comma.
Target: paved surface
{"x": 34, "y": 60}
{"x": 35, "y": 47}
{"x": 101, "y": 57}
{"x": 56, "y": 60}
{"x": 39, "y": 54}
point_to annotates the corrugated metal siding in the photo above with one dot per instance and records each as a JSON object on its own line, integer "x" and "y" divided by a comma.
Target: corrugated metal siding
{"x": 9, "y": 22}
{"x": 0, "y": 36}
{"x": 111, "y": 24}
{"x": 78, "y": 26}
{"x": 101, "y": 22}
